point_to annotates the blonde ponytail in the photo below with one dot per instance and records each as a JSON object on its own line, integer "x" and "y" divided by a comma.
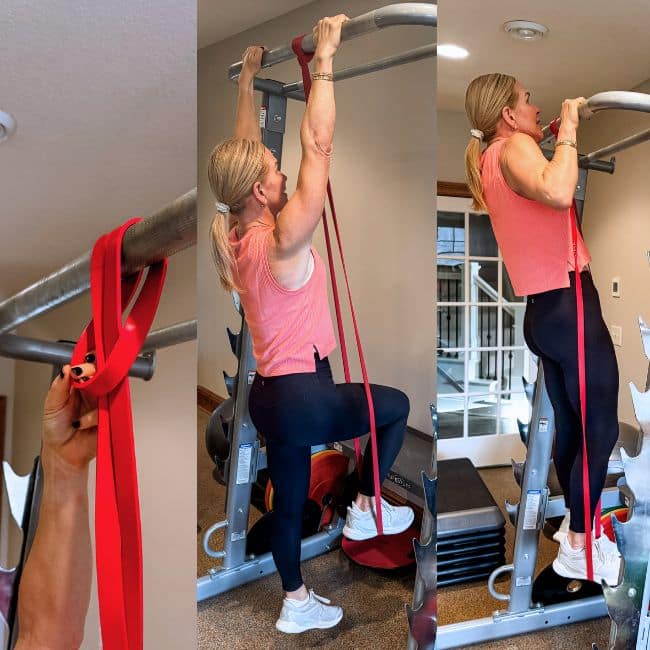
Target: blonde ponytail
{"x": 485, "y": 98}
{"x": 473, "y": 173}
{"x": 222, "y": 253}
{"x": 235, "y": 166}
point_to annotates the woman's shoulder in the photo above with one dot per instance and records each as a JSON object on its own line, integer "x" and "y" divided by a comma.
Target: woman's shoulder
{"x": 518, "y": 144}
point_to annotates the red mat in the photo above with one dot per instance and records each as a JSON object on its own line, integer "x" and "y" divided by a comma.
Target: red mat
{"x": 384, "y": 551}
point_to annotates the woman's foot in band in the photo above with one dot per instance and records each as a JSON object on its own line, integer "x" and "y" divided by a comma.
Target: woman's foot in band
{"x": 360, "y": 525}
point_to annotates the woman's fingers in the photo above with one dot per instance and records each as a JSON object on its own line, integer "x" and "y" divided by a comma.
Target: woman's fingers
{"x": 87, "y": 420}
{"x": 252, "y": 57}
{"x": 328, "y": 31}
{"x": 83, "y": 371}
{"x": 59, "y": 391}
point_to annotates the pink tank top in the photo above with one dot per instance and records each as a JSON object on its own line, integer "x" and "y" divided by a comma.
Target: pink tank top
{"x": 535, "y": 239}
{"x": 286, "y": 326}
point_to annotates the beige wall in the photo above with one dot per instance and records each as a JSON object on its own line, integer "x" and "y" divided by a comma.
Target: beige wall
{"x": 383, "y": 174}
{"x": 453, "y": 131}
{"x": 616, "y": 226}
{"x": 164, "y": 413}
{"x": 617, "y": 231}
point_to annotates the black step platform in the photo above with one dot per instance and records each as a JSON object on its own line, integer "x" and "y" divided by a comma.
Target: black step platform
{"x": 471, "y": 528}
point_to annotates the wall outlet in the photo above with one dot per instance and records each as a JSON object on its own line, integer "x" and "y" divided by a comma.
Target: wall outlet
{"x": 616, "y": 287}
{"x": 617, "y": 334}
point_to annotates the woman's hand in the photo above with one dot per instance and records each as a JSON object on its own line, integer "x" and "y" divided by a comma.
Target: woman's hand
{"x": 252, "y": 59}
{"x": 70, "y": 418}
{"x": 569, "y": 116}
{"x": 327, "y": 35}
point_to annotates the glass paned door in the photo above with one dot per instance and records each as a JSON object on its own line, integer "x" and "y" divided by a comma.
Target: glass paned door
{"x": 481, "y": 356}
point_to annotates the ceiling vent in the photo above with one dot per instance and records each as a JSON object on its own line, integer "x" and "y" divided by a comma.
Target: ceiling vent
{"x": 525, "y": 30}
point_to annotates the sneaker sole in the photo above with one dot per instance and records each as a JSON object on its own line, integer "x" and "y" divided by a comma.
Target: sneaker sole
{"x": 291, "y": 627}
{"x": 560, "y": 570}
{"x": 357, "y": 536}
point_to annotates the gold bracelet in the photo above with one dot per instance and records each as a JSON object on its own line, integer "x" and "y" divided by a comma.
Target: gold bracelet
{"x": 322, "y": 76}
{"x": 569, "y": 143}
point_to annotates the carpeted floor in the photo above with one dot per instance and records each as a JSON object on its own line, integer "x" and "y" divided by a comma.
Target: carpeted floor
{"x": 373, "y": 602}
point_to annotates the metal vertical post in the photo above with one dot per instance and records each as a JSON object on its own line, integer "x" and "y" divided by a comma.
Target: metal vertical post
{"x": 581, "y": 192}
{"x": 273, "y": 116}
{"x": 534, "y": 494}
{"x": 423, "y": 615}
{"x": 244, "y": 449}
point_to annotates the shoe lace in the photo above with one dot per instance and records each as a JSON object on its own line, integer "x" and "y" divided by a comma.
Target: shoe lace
{"x": 604, "y": 553}
{"x": 322, "y": 599}
{"x": 387, "y": 509}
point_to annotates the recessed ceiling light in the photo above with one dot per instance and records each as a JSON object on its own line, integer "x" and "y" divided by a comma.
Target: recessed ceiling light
{"x": 450, "y": 51}
{"x": 7, "y": 126}
{"x": 525, "y": 30}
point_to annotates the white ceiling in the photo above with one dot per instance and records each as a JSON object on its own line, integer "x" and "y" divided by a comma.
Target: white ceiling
{"x": 105, "y": 98}
{"x": 592, "y": 46}
{"x": 219, "y": 19}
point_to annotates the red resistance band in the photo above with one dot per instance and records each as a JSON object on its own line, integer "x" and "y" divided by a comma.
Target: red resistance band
{"x": 582, "y": 382}
{"x": 117, "y": 509}
{"x": 303, "y": 60}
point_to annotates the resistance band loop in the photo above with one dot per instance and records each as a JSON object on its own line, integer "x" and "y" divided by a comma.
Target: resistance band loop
{"x": 116, "y": 345}
{"x": 582, "y": 382}
{"x": 303, "y": 60}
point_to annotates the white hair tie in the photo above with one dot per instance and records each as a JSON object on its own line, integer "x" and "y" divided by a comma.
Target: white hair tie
{"x": 476, "y": 133}
{"x": 222, "y": 207}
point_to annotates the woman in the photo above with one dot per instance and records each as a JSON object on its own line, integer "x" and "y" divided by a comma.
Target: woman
{"x": 529, "y": 200}
{"x": 262, "y": 247}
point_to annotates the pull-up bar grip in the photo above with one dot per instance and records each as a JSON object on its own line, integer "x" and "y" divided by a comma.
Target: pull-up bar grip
{"x": 615, "y": 99}
{"x": 622, "y": 100}
{"x": 404, "y": 13}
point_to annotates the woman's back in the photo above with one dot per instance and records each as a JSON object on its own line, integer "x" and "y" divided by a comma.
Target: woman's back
{"x": 286, "y": 326}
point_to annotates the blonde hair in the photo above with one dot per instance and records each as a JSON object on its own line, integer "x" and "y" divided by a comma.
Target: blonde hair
{"x": 485, "y": 98}
{"x": 235, "y": 166}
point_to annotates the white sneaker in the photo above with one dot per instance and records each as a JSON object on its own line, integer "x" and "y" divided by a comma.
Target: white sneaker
{"x": 605, "y": 542}
{"x": 562, "y": 531}
{"x": 361, "y": 525}
{"x": 572, "y": 563}
{"x": 315, "y": 612}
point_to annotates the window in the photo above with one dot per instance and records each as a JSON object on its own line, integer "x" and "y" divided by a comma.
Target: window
{"x": 480, "y": 349}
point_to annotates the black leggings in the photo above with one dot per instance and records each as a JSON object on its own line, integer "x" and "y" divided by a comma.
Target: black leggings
{"x": 550, "y": 330}
{"x": 295, "y": 412}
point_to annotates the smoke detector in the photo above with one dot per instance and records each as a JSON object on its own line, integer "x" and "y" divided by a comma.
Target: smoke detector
{"x": 525, "y": 30}
{"x": 7, "y": 126}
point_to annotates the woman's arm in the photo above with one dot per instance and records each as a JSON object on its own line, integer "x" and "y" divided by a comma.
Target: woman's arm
{"x": 527, "y": 172}
{"x": 296, "y": 223}
{"x": 246, "y": 121}
{"x": 55, "y": 586}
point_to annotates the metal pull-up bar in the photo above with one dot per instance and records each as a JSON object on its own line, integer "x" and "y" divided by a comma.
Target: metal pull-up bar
{"x": 626, "y": 143}
{"x": 28, "y": 349}
{"x": 167, "y": 231}
{"x": 416, "y": 54}
{"x": 615, "y": 99}
{"x": 405, "y": 13}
